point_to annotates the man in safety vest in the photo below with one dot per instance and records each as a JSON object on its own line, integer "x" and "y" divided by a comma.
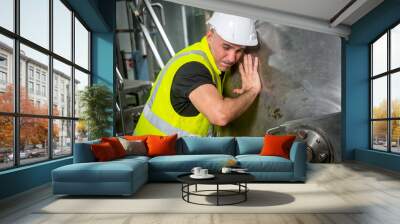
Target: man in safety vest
{"x": 187, "y": 95}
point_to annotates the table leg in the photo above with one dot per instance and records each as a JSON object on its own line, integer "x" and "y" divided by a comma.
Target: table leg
{"x": 217, "y": 194}
{"x": 188, "y": 190}
{"x": 245, "y": 191}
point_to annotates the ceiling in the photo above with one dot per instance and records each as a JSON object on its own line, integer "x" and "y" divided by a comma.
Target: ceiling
{"x": 328, "y": 16}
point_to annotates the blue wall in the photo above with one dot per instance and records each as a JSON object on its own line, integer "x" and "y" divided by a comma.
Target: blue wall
{"x": 24, "y": 178}
{"x": 99, "y": 15}
{"x": 356, "y": 84}
{"x": 103, "y": 63}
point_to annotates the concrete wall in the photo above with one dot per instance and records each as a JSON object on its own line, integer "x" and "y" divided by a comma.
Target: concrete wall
{"x": 301, "y": 77}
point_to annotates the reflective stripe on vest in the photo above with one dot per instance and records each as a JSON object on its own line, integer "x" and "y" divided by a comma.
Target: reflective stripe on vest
{"x": 157, "y": 121}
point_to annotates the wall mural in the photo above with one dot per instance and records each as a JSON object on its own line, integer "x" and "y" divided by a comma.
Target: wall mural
{"x": 301, "y": 76}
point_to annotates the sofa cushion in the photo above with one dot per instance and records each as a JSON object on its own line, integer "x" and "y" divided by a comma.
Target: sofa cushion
{"x": 136, "y": 137}
{"x": 161, "y": 145}
{"x": 257, "y": 163}
{"x": 249, "y": 145}
{"x": 83, "y": 152}
{"x": 129, "y": 159}
{"x": 111, "y": 171}
{"x": 134, "y": 147}
{"x": 103, "y": 151}
{"x": 277, "y": 145}
{"x": 206, "y": 145}
{"x": 185, "y": 163}
{"x": 116, "y": 145}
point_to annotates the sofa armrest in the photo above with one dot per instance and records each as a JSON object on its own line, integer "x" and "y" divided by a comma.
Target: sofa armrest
{"x": 298, "y": 156}
{"x": 83, "y": 152}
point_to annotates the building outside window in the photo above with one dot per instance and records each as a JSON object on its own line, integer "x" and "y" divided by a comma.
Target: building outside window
{"x": 3, "y": 70}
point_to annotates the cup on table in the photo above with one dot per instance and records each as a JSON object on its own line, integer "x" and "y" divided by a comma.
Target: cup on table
{"x": 226, "y": 170}
{"x": 203, "y": 172}
{"x": 196, "y": 170}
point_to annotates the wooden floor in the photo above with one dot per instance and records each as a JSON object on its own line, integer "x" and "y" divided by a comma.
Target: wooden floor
{"x": 377, "y": 188}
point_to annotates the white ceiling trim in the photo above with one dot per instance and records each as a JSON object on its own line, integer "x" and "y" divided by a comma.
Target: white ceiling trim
{"x": 269, "y": 15}
{"x": 362, "y": 11}
{"x": 348, "y": 12}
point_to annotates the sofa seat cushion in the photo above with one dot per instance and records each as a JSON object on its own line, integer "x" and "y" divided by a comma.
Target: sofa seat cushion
{"x": 185, "y": 163}
{"x": 112, "y": 171}
{"x": 257, "y": 163}
{"x": 133, "y": 158}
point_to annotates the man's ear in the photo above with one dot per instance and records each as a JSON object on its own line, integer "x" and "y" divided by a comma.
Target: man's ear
{"x": 209, "y": 34}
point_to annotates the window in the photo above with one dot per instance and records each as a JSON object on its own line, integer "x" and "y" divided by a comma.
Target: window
{"x": 30, "y": 87}
{"x": 7, "y": 89}
{"x": 7, "y": 14}
{"x": 385, "y": 94}
{"x": 62, "y": 76}
{"x": 81, "y": 45}
{"x": 54, "y": 125}
{"x": 3, "y": 72}
{"x": 3, "y": 61}
{"x": 38, "y": 89}
{"x": 34, "y": 21}
{"x": 62, "y": 30}
{"x": 30, "y": 72}
{"x": 37, "y": 74}
{"x": 43, "y": 90}
{"x": 3, "y": 78}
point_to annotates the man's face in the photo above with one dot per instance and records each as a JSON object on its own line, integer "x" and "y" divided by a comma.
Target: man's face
{"x": 225, "y": 53}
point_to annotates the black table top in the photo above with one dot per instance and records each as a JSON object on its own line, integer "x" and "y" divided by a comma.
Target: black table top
{"x": 220, "y": 178}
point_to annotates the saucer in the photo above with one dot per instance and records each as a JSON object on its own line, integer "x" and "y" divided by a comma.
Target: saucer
{"x": 208, "y": 176}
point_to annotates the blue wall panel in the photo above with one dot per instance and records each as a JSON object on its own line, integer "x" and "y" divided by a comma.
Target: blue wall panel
{"x": 24, "y": 178}
{"x": 102, "y": 58}
{"x": 103, "y": 62}
{"x": 357, "y": 99}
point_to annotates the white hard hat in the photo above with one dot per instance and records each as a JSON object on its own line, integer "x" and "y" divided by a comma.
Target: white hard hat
{"x": 234, "y": 29}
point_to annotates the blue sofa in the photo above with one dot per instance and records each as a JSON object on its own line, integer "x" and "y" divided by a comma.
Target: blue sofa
{"x": 125, "y": 176}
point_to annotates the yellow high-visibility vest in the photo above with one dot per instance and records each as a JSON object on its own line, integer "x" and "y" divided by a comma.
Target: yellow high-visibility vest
{"x": 158, "y": 116}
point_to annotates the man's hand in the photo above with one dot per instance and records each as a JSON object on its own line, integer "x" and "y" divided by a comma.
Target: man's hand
{"x": 249, "y": 74}
{"x": 221, "y": 110}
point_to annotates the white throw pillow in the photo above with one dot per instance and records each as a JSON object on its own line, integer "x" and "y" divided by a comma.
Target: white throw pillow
{"x": 135, "y": 147}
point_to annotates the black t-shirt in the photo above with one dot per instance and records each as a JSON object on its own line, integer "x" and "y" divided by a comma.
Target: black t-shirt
{"x": 188, "y": 77}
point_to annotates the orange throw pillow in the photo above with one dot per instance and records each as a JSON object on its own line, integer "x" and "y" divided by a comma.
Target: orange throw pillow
{"x": 136, "y": 137}
{"x": 103, "y": 151}
{"x": 161, "y": 145}
{"x": 116, "y": 145}
{"x": 277, "y": 145}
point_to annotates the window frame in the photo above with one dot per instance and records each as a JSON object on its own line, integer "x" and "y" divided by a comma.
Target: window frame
{"x": 16, "y": 114}
{"x": 388, "y": 74}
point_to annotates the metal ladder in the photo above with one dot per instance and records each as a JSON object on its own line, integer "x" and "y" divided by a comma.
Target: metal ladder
{"x": 126, "y": 88}
{"x": 137, "y": 9}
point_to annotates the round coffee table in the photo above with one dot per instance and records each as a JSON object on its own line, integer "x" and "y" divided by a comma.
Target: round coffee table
{"x": 238, "y": 179}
